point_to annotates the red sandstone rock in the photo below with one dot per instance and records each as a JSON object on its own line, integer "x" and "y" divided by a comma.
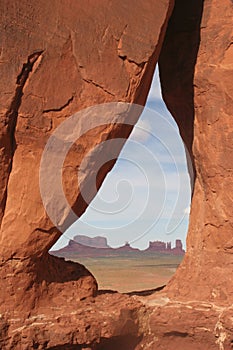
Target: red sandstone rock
{"x": 58, "y": 58}
{"x": 48, "y": 43}
{"x": 200, "y": 97}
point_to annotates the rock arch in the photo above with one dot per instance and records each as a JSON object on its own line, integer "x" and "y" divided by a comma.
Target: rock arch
{"x": 63, "y": 59}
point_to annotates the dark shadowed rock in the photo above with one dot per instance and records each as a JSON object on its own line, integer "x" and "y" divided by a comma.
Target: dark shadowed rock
{"x": 196, "y": 68}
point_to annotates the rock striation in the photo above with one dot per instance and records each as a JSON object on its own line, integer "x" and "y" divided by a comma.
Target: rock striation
{"x": 58, "y": 58}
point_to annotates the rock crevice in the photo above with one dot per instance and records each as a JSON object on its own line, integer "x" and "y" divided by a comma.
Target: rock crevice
{"x": 49, "y": 303}
{"x": 8, "y": 135}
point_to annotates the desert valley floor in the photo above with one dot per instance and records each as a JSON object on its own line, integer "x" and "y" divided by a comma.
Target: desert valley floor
{"x": 127, "y": 274}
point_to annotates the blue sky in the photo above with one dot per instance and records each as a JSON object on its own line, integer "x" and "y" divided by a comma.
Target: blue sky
{"x": 146, "y": 197}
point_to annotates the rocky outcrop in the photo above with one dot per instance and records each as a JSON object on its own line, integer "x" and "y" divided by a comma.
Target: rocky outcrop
{"x": 96, "y": 242}
{"x": 165, "y": 248}
{"x": 196, "y": 66}
{"x": 74, "y": 249}
{"x": 65, "y": 57}
{"x": 109, "y": 321}
{"x": 58, "y": 58}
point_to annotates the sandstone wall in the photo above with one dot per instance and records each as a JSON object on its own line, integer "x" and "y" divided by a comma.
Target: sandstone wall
{"x": 196, "y": 65}
{"x": 58, "y": 58}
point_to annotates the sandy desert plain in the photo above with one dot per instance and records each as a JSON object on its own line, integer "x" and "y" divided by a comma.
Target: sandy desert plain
{"x": 131, "y": 272}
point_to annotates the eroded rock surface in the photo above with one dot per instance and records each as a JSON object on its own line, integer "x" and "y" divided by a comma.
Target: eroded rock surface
{"x": 196, "y": 66}
{"x": 58, "y": 58}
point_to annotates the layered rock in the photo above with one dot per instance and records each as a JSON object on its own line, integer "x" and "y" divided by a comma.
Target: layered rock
{"x": 63, "y": 58}
{"x": 58, "y": 58}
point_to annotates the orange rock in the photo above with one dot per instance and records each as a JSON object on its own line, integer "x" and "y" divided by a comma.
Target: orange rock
{"x": 196, "y": 66}
{"x": 58, "y": 58}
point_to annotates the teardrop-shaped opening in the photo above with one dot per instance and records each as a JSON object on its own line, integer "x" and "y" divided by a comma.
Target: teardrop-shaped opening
{"x": 132, "y": 237}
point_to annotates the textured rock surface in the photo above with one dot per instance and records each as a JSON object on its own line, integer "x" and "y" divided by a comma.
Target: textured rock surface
{"x": 185, "y": 325}
{"x": 55, "y": 71}
{"x": 203, "y": 108}
{"x": 57, "y": 58}
{"x": 109, "y": 321}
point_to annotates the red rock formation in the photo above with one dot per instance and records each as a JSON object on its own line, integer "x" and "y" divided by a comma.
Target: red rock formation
{"x": 56, "y": 59}
{"x": 64, "y": 57}
{"x": 96, "y": 242}
{"x": 162, "y": 247}
{"x": 157, "y": 246}
{"x": 74, "y": 249}
{"x": 196, "y": 69}
{"x": 197, "y": 88}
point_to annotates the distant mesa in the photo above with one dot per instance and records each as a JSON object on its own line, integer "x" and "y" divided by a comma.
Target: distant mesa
{"x": 84, "y": 246}
{"x": 162, "y": 247}
{"x": 95, "y": 242}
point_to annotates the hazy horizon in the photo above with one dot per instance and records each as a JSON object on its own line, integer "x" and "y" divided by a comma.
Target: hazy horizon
{"x": 80, "y": 235}
{"x": 167, "y": 217}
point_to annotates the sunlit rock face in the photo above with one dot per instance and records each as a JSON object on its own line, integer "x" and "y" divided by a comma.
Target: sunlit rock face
{"x": 196, "y": 68}
{"x": 58, "y": 58}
